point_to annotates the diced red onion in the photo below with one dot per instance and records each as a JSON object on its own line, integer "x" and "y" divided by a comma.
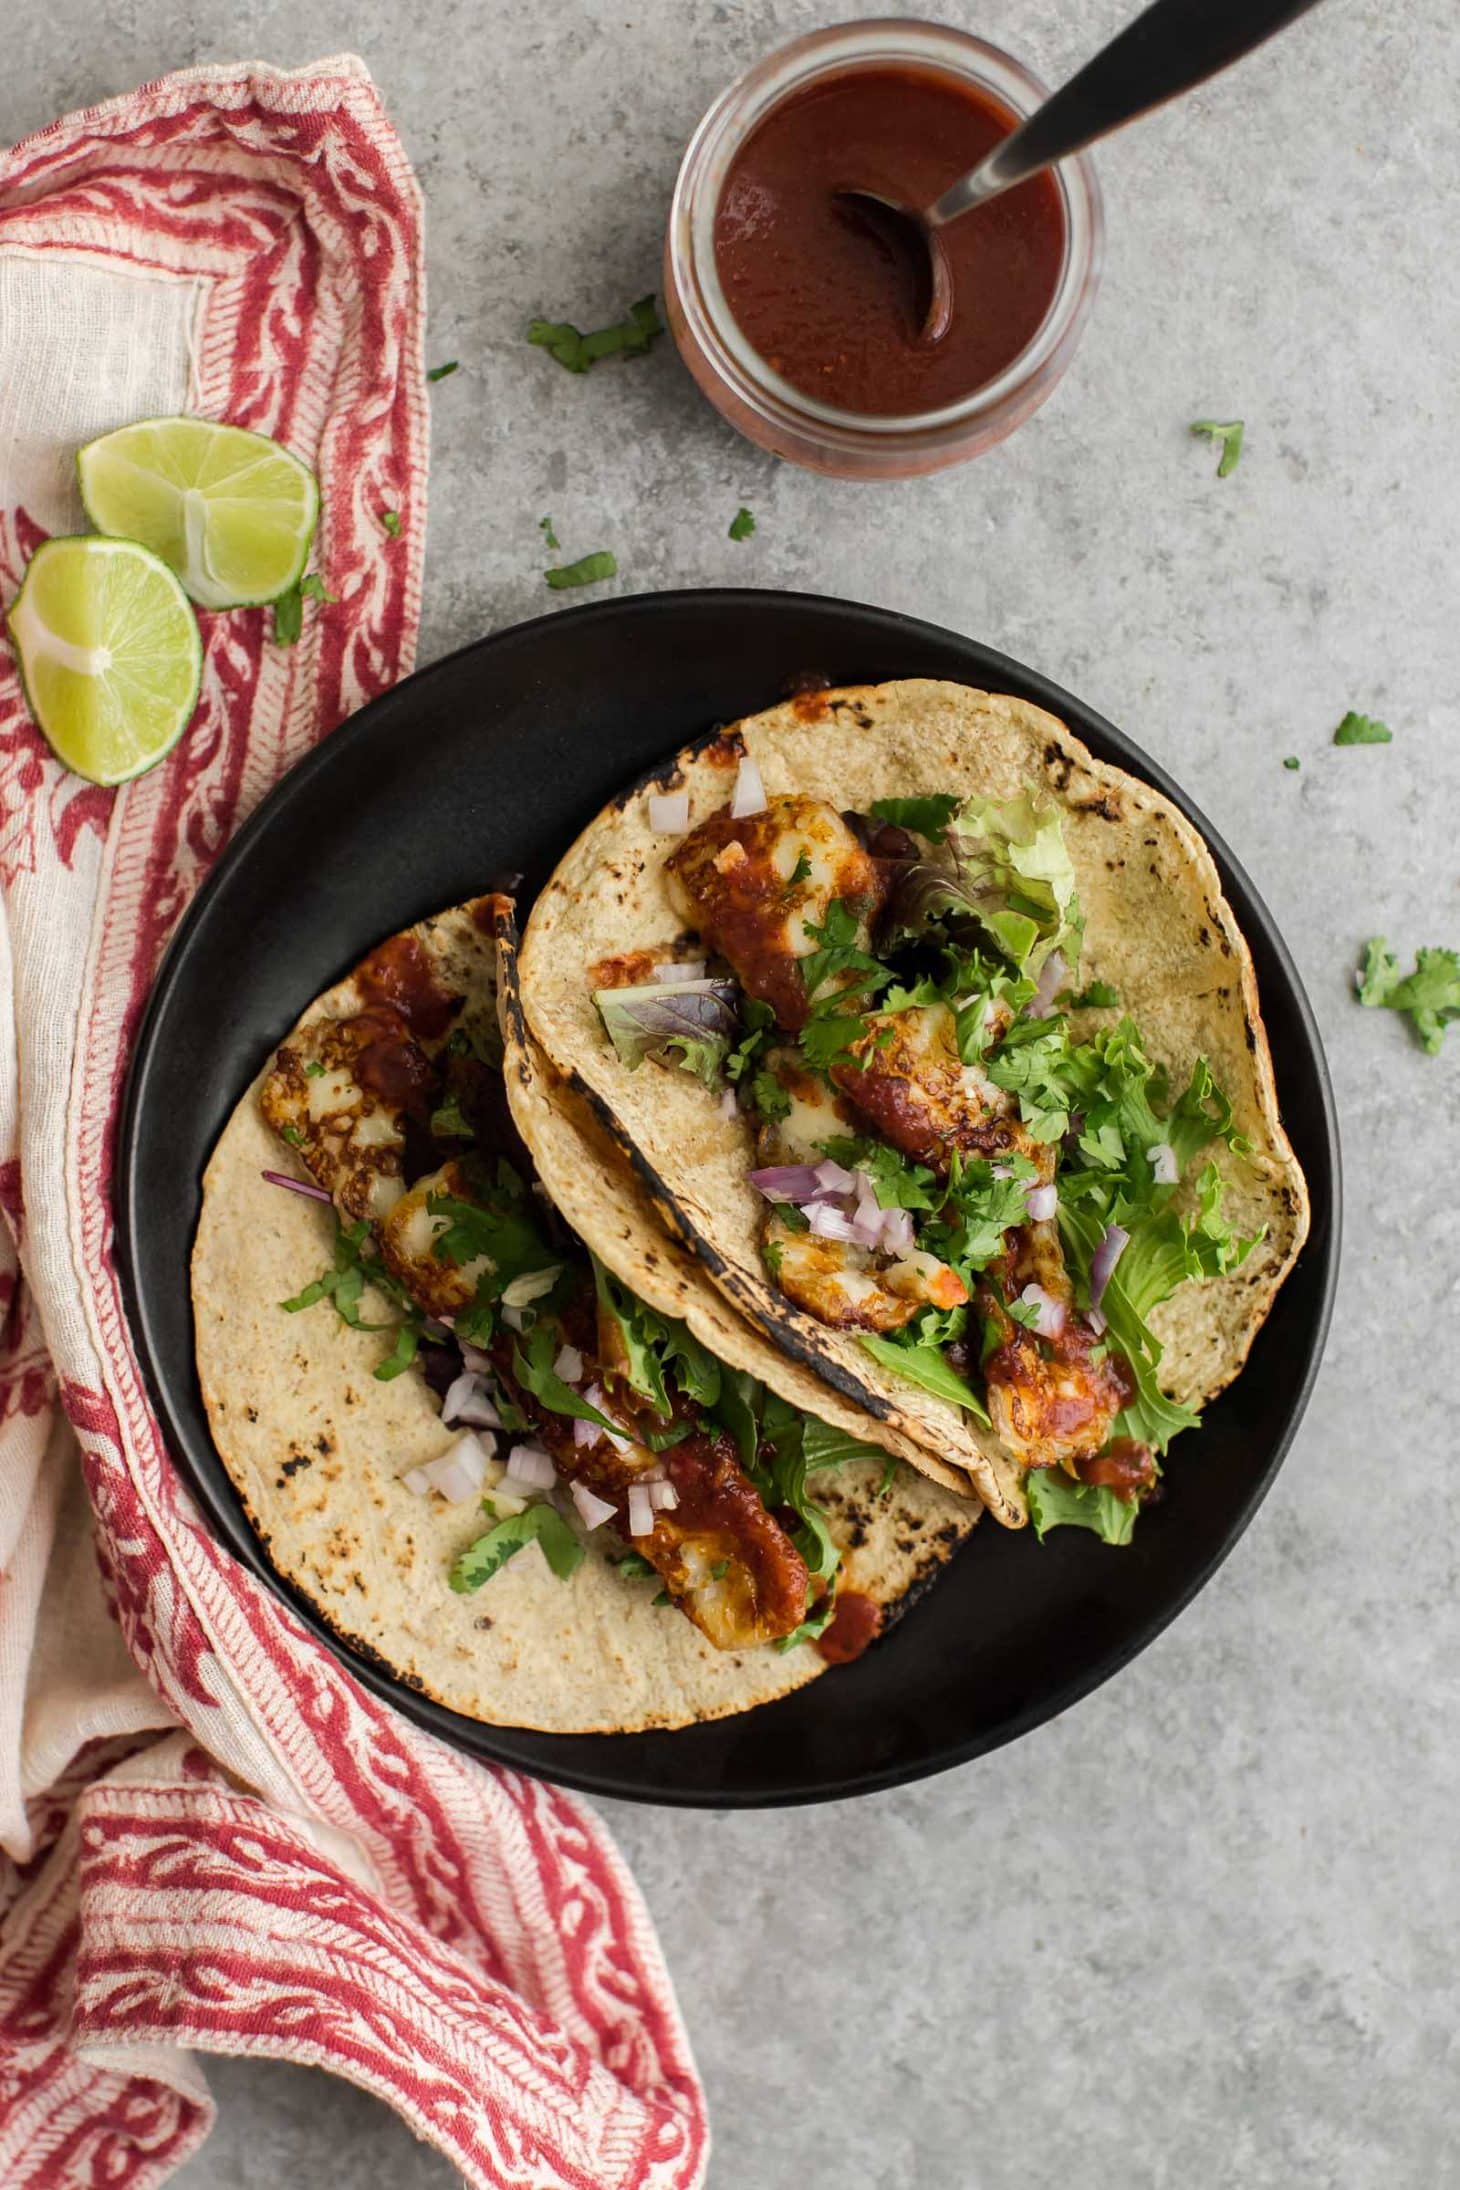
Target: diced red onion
{"x": 750, "y": 795}
{"x": 1104, "y": 1259}
{"x": 512, "y": 1317}
{"x": 531, "y": 1467}
{"x": 688, "y": 969}
{"x": 585, "y": 1433}
{"x": 457, "y": 1473}
{"x": 729, "y": 1108}
{"x": 897, "y": 1231}
{"x": 296, "y": 1186}
{"x": 868, "y": 1218}
{"x": 641, "y": 1510}
{"x": 786, "y": 1181}
{"x": 1050, "y": 1319}
{"x": 1097, "y": 1322}
{"x": 593, "y": 1511}
{"x": 1042, "y": 1203}
{"x": 1054, "y": 975}
{"x": 829, "y": 1223}
{"x": 663, "y": 1497}
{"x": 595, "y": 1398}
{"x": 469, "y": 1401}
{"x": 669, "y": 812}
{"x": 478, "y": 1362}
{"x": 836, "y": 1180}
{"x": 1164, "y": 1167}
{"x": 569, "y": 1364}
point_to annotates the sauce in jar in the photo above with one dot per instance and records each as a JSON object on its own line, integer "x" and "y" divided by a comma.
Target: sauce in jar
{"x": 827, "y": 304}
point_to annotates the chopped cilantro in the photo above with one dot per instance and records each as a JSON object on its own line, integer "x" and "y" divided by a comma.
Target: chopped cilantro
{"x": 292, "y": 1135}
{"x": 662, "y": 1598}
{"x": 927, "y": 816}
{"x": 838, "y": 955}
{"x": 633, "y": 1566}
{"x": 442, "y": 372}
{"x": 1430, "y": 995}
{"x": 1230, "y": 437}
{"x": 1362, "y": 730}
{"x": 770, "y": 1098}
{"x": 342, "y": 1286}
{"x": 448, "y": 1121}
{"x": 314, "y": 1070}
{"x": 545, "y": 527}
{"x": 401, "y": 1355}
{"x": 1099, "y": 996}
{"x": 289, "y": 607}
{"x": 742, "y": 524}
{"x": 759, "y": 1020}
{"x": 799, "y": 874}
{"x": 719, "y": 1570}
{"x": 589, "y": 570}
{"x": 540, "y": 1524}
{"x": 1292, "y": 761}
{"x": 576, "y": 352}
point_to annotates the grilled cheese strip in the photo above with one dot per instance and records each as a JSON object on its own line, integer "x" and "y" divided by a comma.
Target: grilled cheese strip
{"x": 340, "y": 1094}
{"x": 840, "y": 1283}
{"x": 752, "y": 888}
{"x": 729, "y": 1566}
{"x": 913, "y": 1089}
{"x": 407, "y": 1242}
{"x": 1052, "y": 1401}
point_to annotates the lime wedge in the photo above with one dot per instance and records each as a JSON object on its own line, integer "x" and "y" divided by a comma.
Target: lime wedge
{"x": 231, "y": 512}
{"x": 109, "y": 653}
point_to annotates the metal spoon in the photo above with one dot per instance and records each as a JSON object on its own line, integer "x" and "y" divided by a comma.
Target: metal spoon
{"x": 1174, "y": 46}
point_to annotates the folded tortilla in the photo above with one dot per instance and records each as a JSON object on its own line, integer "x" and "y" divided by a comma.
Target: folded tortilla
{"x": 316, "y": 1446}
{"x": 1157, "y": 928}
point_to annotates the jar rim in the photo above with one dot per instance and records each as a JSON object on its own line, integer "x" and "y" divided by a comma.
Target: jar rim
{"x": 725, "y": 127}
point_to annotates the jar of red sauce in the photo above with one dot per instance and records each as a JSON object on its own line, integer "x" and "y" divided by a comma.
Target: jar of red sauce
{"x": 792, "y": 321}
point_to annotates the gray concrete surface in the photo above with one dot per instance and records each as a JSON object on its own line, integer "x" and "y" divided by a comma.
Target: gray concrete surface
{"x": 1200, "y": 1932}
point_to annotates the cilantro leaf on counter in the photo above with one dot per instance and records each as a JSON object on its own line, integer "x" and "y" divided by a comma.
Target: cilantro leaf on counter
{"x": 577, "y": 352}
{"x": 1056, "y": 1501}
{"x": 742, "y": 524}
{"x": 1430, "y": 995}
{"x": 927, "y": 817}
{"x": 540, "y": 1524}
{"x": 589, "y": 570}
{"x": 1229, "y": 434}
{"x": 1292, "y": 761}
{"x": 1358, "y": 729}
{"x": 443, "y": 372}
{"x": 545, "y": 527}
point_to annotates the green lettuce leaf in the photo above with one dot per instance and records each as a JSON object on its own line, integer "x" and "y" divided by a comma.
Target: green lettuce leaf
{"x": 926, "y": 1366}
{"x": 1057, "y": 1501}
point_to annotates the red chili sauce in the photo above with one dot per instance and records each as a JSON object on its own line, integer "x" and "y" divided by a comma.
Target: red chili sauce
{"x": 828, "y": 304}
{"x": 854, "y": 1624}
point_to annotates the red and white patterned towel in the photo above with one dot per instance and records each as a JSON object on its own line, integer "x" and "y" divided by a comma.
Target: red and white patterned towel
{"x": 214, "y": 1839}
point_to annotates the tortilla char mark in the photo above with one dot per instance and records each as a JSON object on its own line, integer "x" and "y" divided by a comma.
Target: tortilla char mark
{"x": 752, "y": 888}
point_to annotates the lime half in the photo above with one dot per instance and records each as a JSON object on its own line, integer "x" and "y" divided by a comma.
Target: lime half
{"x": 110, "y": 654}
{"x": 231, "y": 512}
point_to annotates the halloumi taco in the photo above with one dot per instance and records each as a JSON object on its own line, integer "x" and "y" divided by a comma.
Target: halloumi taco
{"x": 934, "y": 1040}
{"x": 499, "y": 1430}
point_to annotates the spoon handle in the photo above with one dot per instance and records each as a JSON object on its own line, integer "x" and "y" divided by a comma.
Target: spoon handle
{"x": 1173, "y": 46}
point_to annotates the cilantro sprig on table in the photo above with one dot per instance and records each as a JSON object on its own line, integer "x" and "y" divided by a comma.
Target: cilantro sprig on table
{"x": 631, "y": 336}
{"x": 1430, "y": 995}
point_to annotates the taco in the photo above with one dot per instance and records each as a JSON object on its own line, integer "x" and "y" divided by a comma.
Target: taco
{"x": 519, "y": 1452}
{"x": 934, "y": 1039}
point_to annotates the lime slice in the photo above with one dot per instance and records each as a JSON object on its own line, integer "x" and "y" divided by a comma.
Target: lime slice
{"x": 231, "y": 512}
{"x": 109, "y": 652}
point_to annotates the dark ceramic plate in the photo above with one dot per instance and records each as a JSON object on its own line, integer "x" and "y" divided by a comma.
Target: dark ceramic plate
{"x": 492, "y": 761}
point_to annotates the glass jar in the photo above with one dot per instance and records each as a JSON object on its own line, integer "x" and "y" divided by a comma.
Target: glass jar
{"x": 739, "y": 382}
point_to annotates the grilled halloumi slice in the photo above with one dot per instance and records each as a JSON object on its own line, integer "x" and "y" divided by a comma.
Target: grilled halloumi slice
{"x": 909, "y": 1083}
{"x": 340, "y": 1094}
{"x": 752, "y": 888}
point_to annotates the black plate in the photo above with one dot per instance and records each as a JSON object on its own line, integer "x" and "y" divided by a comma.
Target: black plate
{"x": 492, "y": 760}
